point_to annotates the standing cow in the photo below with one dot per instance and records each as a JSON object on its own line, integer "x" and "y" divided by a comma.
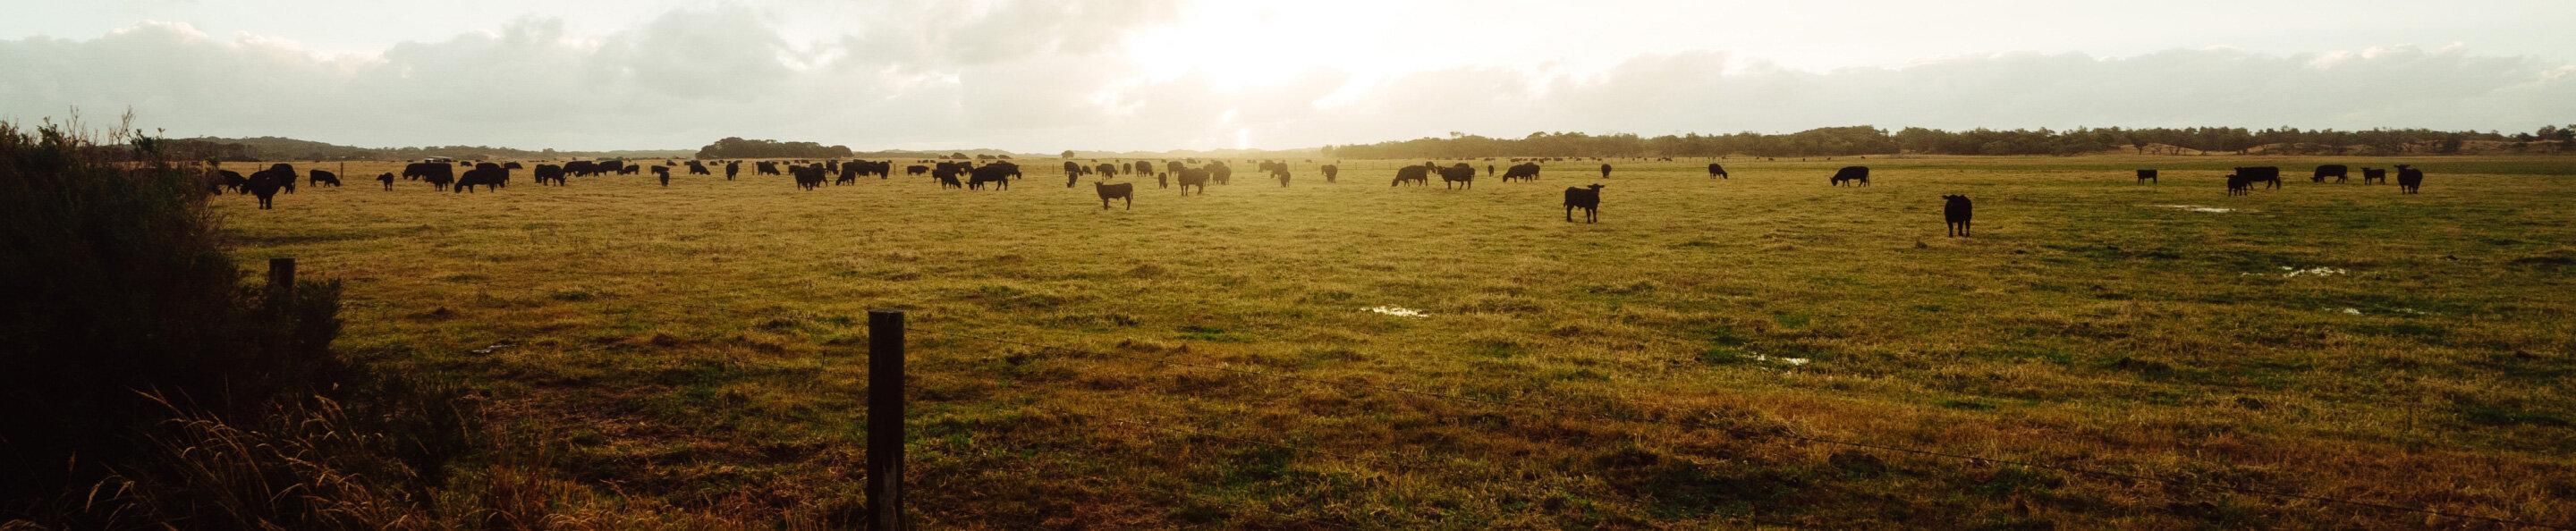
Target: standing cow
{"x": 2337, "y": 171}
{"x": 2146, "y": 176}
{"x": 1958, "y": 212}
{"x": 1586, "y": 198}
{"x": 1860, "y": 174}
{"x": 1605, "y": 171}
{"x": 2409, "y": 179}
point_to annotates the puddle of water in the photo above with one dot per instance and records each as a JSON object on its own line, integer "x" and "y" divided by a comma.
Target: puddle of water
{"x": 2198, "y": 208}
{"x": 1396, "y": 311}
{"x": 2292, "y": 272}
{"x": 1787, "y": 361}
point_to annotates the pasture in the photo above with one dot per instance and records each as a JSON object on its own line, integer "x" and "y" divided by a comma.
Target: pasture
{"x": 691, "y": 355}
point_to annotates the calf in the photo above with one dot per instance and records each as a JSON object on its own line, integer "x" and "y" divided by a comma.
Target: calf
{"x": 1957, "y": 211}
{"x": 1852, "y": 173}
{"x": 2374, "y": 176}
{"x": 2146, "y": 176}
{"x": 1586, "y": 198}
{"x": 2409, "y": 180}
{"x": 320, "y": 177}
{"x": 2337, "y": 171}
{"x": 2238, "y": 184}
{"x": 1121, "y": 191}
{"x": 1717, "y": 171}
{"x": 386, "y": 178}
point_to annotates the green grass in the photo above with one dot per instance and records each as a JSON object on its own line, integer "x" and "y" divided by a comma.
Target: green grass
{"x": 2085, "y": 324}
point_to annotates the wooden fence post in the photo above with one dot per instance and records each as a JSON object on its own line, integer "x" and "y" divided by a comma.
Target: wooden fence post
{"x": 885, "y": 420}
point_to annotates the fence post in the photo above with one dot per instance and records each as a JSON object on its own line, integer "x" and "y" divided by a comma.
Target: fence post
{"x": 885, "y": 420}
{"x": 281, "y": 280}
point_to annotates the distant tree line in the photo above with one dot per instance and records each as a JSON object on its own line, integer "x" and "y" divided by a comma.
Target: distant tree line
{"x": 276, "y": 148}
{"x": 738, "y": 148}
{"x": 1868, "y": 140}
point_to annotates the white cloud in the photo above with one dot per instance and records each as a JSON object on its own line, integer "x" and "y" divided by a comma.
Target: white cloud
{"x": 1044, "y": 75}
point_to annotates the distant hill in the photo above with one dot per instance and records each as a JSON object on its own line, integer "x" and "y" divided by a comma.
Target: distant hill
{"x": 280, "y": 148}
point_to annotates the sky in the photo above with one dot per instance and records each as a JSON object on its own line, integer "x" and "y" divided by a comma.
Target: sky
{"x": 1040, "y": 76}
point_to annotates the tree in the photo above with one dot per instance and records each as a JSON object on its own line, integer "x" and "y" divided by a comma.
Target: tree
{"x": 1068, "y": 153}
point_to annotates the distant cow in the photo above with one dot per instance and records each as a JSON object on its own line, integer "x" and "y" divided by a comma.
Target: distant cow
{"x": 1192, "y": 177}
{"x": 916, "y": 169}
{"x": 2146, "y": 176}
{"x": 997, "y": 174}
{"x": 1717, "y": 171}
{"x": 487, "y": 175}
{"x": 1122, "y": 191}
{"x": 2409, "y": 179}
{"x": 1106, "y": 170}
{"x": 512, "y": 165}
{"x": 550, "y": 173}
{"x": 2337, "y": 171}
{"x": 319, "y": 177}
{"x": 664, "y": 173}
{"x": 1414, "y": 174}
{"x": 387, "y": 178}
{"x": 2238, "y": 184}
{"x": 1331, "y": 171}
{"x": 2374, "y": 176}
{"x": 230, "y": 180}
{"x": 2269, "y": 175}
{"x": 1461, "y": 175}
{"x": 732, "y": 168}
{"x": 808, "y": 177}
{"x": 765, "y": 168}
{"x": 1586, "y": 198}
{"x": 436, "y": 173}
{"x": 1605, "y": 171}
{"x": 1219, "y": 172}
{"x": 581, "y": 168}
{"x": 699, "y": 168}
{"x": 1280, "y": 173}
{"x": 1857, "y": 175}
{"x": 1526, "y": 171}
{"x": 1072, "y": 168}
{"x": 1958, "y": 212}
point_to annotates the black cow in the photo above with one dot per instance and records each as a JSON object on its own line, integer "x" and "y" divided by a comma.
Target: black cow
{"x": 435, "y": 172}
{"x": 765, "y": 168}
{"x": 1459, "y": 174}
{"x": 699, "y": 168}
{"x": 1717, "y": 171}
{"x": 2238, "y": 184}
{"x": 1193, "y": 177}
{"x": 1219, "y": 172}
{"x": 1280, "y": 173}
{"x": 512, "y": 165}
{"x": 550, "y": 173}
{"x": 2146, "y": 176}
{"x": 2337, "y": 171}
{"x": 1123, "y": 191}
{"x": 323, "y": 177}
{"x": 488, "y": 175}
{"x": 1107, "y": 170}
{"x": 581, "y": 168}
{"x": 387, "y": 178}
{"x": 1957, "y": 211}
{"x": 1605, "y": 170}
{"x": 1414, "y": 174}
{"x": 808, "y": 177}
{"x": 996, "y": 174}
{"x": 266, "y": 183}
{"x": 664, "y": 173}
{"x": 1586, "y": 198}
{"x": 732, "y": 168}
{"x": 1526, "y": 171}
{"x": 2270, "y": 175}
{"x": 2409, "y": 180}
{"x": 2374, "y": 176}
{"x": 1858, "y": 175}
{"x": 1331, "y": 171}
{"x": 1072, "y": 168}
{"x": 916, "y": 169}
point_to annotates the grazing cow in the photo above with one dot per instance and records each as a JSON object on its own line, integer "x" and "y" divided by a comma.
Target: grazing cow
{"x": 1280, "y": 173}
{"x": 1193, "y": 177}
{"x": 1415, "y": 174}
{"x": 2337, "y": 171}
{"x": 732, "y": 168}
{"x": 1958, "y": 211}
{"x": 621, "y": 167}
{"x": 1717, "y": 171}
{"x": 947, "y": 178}
{"x": 2374, "y": 176}
{"x": 320, "y": 177}
{"x": 999, "y": 174}
{"x": 1122, "y": 191}
{"x": 1858, "y": 175}
{"x": 488, "y": 175}
{"x": 2269, "y": 175}
{"x": 699, "y": 168}
{"x": 1331, "y": 171}
{"x": 1586, "y": 198}
{"x": 1489, "y": 168}
{"x": 435, "y": 172}
{"x": 1219, "y": 172}
{"x": 765, "y": 168}
{"x": 549, "y": 172}
{"x": 2238, "y": 184}
{"x": 848, "y": 173}
{"x": 1526, "y": 171}
{"x": 2409, "y": 180}
{"x": 581, "y": 168}
{"x": 808, "y": 177}
{"x": 1072, "y": 168}
{"x": 266, "y": 183}
{"x": 1107, "y": 170}
{"x": 230, "y": 180}
{"x": 1459, "y": 174}
{"x": 1605, "y": 169}
{"x": 916, "y": 169}
{"x": 387, "y": 178}
{"x": 512, "y": 165}
{"x": 664, "y": 173}
{"x": 2146, "y": 176}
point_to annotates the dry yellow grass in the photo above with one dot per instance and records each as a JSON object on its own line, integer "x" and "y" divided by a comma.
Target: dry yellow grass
{"x": 696, "y": 347}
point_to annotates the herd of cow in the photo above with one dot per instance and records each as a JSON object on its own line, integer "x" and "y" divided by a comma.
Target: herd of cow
{"x": 811, "y": 175}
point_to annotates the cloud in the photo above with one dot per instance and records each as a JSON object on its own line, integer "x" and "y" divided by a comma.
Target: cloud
{"x": 1045, "y": 75}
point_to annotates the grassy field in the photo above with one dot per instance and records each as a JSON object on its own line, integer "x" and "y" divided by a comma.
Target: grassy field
{"x": 691, "y": 355}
